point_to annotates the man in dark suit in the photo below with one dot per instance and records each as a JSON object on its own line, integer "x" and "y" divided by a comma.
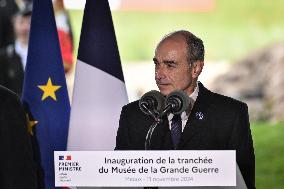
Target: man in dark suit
{"x": 17, "y": 168}
{"x": 213, "y": 121}
{"x": 13, "y": 57}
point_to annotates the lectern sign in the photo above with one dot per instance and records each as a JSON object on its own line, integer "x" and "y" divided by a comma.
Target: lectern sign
{"x": 145, "y": 168}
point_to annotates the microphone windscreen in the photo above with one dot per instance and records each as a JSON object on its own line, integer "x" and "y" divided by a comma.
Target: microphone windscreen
{"x": 180, "y": 101}
{"x": 153, "y": 100}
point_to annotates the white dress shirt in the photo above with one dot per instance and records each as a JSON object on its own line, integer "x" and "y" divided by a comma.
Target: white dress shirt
{"x": 22, "y": 51}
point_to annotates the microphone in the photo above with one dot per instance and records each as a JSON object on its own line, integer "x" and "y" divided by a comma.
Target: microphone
{"x": 152, "y": 103}
{"x": 176, "y": 102}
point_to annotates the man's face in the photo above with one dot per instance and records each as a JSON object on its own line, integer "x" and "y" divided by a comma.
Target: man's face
{"x": 22, "y": 26}
{"x": 172, "y": 71}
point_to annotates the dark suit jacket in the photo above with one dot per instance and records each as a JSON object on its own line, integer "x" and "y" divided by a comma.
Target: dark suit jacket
{"x": 224, "y": 126}
{"x": 11, "y": 70}
{"x": 17, "y": 169}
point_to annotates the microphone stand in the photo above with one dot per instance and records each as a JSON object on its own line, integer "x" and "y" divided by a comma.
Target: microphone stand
{"x": 152, "y": 127}
{"x": 158, "y": 120}
{"x": 150, "y": 132}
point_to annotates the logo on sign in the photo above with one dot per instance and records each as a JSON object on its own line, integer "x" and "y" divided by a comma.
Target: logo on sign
{"x": 68, "y": 157}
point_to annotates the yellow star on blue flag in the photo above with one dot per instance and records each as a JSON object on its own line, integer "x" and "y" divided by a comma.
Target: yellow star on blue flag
{"x": 31, "y": 124}
{"x": 49, "y": 90}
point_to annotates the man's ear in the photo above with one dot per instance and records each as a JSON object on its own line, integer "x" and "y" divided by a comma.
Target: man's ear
{"x": 197, "y": 68}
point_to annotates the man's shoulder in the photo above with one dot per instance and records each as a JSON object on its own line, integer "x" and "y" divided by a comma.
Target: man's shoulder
{"x": 228, "y": 104}
{"x": 220, "y": 99}
{"x": 132, "y": 106}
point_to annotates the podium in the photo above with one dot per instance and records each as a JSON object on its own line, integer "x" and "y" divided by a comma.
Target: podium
{"x": 138, "y": 169}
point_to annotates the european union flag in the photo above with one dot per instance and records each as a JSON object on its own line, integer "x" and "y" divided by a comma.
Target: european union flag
{"x": 45, "y": 94}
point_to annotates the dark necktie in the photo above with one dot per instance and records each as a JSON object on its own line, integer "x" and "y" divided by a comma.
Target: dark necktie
{"x": 176, "y": 130}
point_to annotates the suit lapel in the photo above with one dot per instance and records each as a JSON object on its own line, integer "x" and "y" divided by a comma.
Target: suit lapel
{"x": 198, "y": 116}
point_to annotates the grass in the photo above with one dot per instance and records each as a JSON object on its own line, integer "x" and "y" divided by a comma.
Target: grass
{"x": 269, "y": 152}
{"x": 230, "y": 31}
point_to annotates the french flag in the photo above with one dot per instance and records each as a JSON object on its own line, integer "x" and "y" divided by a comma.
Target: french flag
{"x": 99, "y": 88}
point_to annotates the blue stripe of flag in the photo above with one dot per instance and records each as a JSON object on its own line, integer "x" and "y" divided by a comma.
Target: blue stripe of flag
{"x": 98, "y": 45}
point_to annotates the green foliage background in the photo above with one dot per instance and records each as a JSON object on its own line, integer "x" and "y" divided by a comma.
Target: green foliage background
{"x": 230, "y": 31}
{"x": 269, "y": 153}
